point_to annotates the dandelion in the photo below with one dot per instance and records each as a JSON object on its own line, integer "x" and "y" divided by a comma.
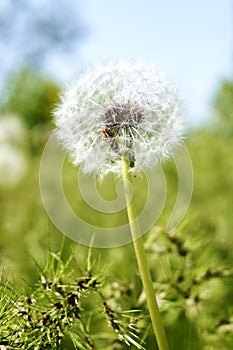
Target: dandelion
{"x": 120, "y": 118}
{"x": 119, "y": 109}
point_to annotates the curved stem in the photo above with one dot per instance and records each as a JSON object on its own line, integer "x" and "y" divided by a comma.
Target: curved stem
{"x": 141, "y": 259}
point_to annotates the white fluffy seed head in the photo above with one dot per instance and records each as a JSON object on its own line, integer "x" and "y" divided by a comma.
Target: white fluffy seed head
{"x": 119, "y": 109}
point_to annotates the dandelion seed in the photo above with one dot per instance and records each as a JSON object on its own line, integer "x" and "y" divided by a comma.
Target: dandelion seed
{"x": 119, "y": 109}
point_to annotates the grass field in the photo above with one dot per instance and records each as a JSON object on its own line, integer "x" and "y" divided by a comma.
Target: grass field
{"x": 191, "y": 269}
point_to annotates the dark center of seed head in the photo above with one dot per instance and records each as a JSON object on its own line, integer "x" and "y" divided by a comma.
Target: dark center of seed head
{"x": 122, "y": 116}
{"x": 119, "y": 120}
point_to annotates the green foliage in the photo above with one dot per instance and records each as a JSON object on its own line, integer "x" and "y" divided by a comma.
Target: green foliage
{"x": 63, "y": 306}
{"x": 69, "y": 307}
{"x": 224, "y": 106}
{"x": 192, "y": 284}
{"x": 32, "y": 96}
{"x": 191, "y": 268}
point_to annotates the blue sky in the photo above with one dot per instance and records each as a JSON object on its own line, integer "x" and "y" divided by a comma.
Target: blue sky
{"x": 191, "y": 41}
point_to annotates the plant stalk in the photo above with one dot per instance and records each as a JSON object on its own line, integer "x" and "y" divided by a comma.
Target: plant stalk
{"x": 141, "y": 259}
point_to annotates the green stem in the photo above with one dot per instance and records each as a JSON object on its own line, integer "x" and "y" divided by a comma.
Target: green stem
{"x": 141, "y": 259}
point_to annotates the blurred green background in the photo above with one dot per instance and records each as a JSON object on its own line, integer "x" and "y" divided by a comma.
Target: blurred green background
{"x": 192, "y": 271}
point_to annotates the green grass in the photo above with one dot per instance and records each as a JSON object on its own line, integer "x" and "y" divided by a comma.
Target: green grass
{"x": 191, "y": 269}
